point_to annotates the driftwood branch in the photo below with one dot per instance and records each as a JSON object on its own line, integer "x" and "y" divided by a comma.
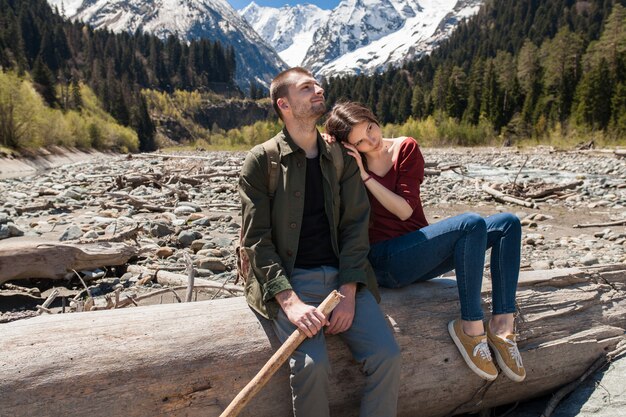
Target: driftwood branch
{"x": 607, "y": 224}
{"x": 54, "y": 260}
{"x": 554, "y": 190}
{"x": 500, "y": 196}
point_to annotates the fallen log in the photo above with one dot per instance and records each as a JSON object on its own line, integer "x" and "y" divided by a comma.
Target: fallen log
{"x": 191, "y": 359}
{"x": 500, "y": 196}
{"x": 54, "y": 260}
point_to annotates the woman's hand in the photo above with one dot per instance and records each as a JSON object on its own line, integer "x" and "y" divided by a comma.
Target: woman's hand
{"x": 328, "y": 138}
{"x": 357, "y": 156}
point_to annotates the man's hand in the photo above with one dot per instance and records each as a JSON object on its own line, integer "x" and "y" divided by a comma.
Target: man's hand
{"x": 307, "y": 318}
{"x": 342, "y": 316}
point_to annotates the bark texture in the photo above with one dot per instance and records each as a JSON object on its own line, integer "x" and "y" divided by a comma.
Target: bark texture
{"x": 32, "y": 259}
{"x": 192, "y": 359}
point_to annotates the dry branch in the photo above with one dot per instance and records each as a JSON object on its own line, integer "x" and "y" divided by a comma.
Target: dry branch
{"x": 500, "y": 196}
{"x": 607, "y": 224}
{"x": 554, "y": 190}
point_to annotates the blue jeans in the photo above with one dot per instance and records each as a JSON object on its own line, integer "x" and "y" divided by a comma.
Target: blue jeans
{"x": 457, "y": 243}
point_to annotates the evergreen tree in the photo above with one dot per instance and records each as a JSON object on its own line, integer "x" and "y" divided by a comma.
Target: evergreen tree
{"x": 44, "y": 81}
{"x": 456, "y": 99}
{"x": 418, "y": 103}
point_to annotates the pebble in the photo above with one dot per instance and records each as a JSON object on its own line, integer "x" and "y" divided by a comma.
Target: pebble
{"x": 164, "y": 252}
{"x": 186, "y": 237}
{"x": 213, "y": 264}
{"x": 71, "y": 233}
{"x": 589, "y": 259}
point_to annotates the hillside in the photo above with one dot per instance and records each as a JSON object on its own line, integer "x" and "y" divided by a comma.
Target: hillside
{"x": 530, "y": 68}
{"x": 58, "y": 54}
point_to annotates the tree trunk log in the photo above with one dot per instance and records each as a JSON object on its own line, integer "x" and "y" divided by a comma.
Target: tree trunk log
{"x": 53, "y": 260}
{"x": 192, "y": 359}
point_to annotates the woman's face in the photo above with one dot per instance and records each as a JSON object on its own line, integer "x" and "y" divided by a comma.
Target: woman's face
{"x": 366, "y": 137}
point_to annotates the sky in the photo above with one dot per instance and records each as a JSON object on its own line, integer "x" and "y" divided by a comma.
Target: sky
{"x": 323, "y": 4}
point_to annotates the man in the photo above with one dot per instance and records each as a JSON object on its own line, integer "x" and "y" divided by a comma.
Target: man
{"x": 308, "y": 239}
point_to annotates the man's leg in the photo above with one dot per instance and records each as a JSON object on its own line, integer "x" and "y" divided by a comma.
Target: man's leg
{"x": 309, "y": 363}
{"x": 372, "y": 344}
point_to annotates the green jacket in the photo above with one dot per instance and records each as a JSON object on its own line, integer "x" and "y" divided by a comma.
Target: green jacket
{"x": 271, "y": 227}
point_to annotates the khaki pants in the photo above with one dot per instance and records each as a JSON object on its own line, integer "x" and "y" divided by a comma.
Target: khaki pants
{"x": 369, "y": 339}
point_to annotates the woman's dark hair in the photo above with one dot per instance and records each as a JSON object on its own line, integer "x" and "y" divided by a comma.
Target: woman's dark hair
{"x": 344, "y": 116}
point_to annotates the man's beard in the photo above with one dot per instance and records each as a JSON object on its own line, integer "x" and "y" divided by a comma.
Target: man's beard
{"x": 315, "y": 111}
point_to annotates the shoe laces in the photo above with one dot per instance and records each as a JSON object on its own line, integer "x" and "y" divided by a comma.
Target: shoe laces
{"x": 483, "y": 350}
{"x": 514, "y": 352}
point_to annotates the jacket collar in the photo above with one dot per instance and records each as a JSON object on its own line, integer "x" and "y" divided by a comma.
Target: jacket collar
{"x": 288, "y": 146}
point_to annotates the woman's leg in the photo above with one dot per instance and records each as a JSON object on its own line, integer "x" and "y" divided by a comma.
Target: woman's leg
{"x": 504, "y": 235}
{"x": 455, "y": 243}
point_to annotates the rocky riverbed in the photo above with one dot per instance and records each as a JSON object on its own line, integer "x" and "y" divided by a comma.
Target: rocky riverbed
{"x": 182, "y": 209}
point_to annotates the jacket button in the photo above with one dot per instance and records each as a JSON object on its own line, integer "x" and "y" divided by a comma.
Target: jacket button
{"x": 297, "y": 194}
{"x": 292, "y": 225}
{"x": 299, "y": 164}
{"x": 289, "y": 252}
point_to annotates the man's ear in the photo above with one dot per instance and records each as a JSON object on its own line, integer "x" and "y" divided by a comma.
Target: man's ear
{"x": 282, "y": 103}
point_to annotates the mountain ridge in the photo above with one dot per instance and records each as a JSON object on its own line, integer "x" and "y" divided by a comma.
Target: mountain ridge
{"x": 256, "y": 61}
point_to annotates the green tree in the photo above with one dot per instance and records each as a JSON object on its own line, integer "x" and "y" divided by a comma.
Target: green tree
{"x": 592, "y": 107}
{"x": 456, "y": 99}
{"x": 44, "y": 81}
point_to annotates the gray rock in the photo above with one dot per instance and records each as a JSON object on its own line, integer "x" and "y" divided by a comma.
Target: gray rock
{"x": 14, "y": 230}
{"x": 184, "y": 210}
{"x": 186, "y": 237}
{"x": 205, "y": 221}
{"x": 71, "y": 233}
{"x": 602, "y": 395}
{"x": 161, "y": 229}
{"x": 541, "y": 265}
{"x": 4, "y": 232}
{"x": 92, "y": 234}
{"x": 4, "y": 218}
{"x": 589, "y": 259}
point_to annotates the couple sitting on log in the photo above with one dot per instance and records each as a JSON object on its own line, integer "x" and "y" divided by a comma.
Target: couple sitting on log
{"x": 306, "y": 227}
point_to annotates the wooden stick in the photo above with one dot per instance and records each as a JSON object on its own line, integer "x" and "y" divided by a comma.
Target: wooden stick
{"x": 277, "y": 359}
{"x": 553, "y": 190}
{"x": 44, "y": 308}
{"x": 505, "y": 198}
{"x": 607, "y": 224}
{"x": 191, "y": 274}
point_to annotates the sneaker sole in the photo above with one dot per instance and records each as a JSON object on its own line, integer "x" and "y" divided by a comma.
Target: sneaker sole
{"x": 507, "y": 371}
{"x": 466, "y": 358}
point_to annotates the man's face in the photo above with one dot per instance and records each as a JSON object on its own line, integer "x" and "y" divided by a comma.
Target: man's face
{"x": 305, "y": 98}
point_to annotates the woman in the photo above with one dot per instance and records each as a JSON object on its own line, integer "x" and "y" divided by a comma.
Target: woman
{"x": 406, "y": 249}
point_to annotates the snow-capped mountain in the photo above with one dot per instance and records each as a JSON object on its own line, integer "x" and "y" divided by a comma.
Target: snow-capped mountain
{"x": 289, "y": 29}
{"x": 365, "y": 36}
{"x": 187, "y": 19}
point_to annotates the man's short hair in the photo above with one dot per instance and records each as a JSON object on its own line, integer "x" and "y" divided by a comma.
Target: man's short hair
{"x": 280, "y": 85}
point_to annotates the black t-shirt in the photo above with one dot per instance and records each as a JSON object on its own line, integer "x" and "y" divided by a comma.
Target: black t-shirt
{"x": 315, "y": 247}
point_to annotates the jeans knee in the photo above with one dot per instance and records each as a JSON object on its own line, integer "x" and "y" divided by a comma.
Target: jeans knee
{"x": 513, "y": 222}
{"x": 473, "y": 222}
